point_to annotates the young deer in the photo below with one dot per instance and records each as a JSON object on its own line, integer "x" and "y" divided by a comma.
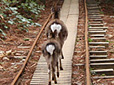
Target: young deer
{"x": 57, "y": 25}
{"x": 51, "y": 51}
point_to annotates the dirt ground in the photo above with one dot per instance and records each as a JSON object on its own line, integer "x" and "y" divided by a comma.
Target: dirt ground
{"x": 78, "y": 69}
{"x": 15, "y": 47}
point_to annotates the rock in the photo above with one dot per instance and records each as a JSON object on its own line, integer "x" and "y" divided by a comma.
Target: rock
{"x": 17, "y": 54}
{"x": 13, "y": 63}
{"x": 23, "y": 60}
{"x": 5, "y": 58}
{"x": 15, "y": 67}
{"x": 110, "y": 36}
{"x": 8, "y": 52}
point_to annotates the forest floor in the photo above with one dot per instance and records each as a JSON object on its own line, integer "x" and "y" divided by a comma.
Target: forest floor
{"x": 108, "y": 11}
{"x": 16, "y": 46}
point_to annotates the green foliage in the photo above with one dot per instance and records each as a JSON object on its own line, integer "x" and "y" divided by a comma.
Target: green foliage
{"x": 89, "y": 26}
{"x": 89, "y": 40}
{"x": 103, "y": 75}
{"x": 101, "y": 12}
{"x": 12, "y": 15}
{"x": 26, "y": 39}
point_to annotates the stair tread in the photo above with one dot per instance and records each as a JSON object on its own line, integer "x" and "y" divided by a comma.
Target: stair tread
{"x": 98, "y": 55}
{"x": 99, "y": 31}
{"x": 96, "y": 46}
{"x": 102, "y": 77}
{"x": 96, "y": 15}
{"x": 97, "y": 27}
{"x": 96, "y": 24}
{"x": 98, "y": 38}
{"x": 98, "y": 42}
{"x": 102, "y": 59}
{"x": 97, "y": 51}
{"x": 96, "y": 19}
{"x": 101, "y": 63}
{"x": 102, "y": 70}
{"x": 97, "y": 35}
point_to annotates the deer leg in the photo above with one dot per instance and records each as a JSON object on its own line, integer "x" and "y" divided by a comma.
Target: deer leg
{"x": 62, "y": 55}
{"x": 49, "y": 72}
{"x": 52, "y": 74}
{"x": 53, "y": 70}
{"x": 57, "y": 70}
{"x": 61, "y": 68}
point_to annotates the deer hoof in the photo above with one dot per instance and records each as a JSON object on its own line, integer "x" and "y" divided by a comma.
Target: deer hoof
{"x": 50, "y": 83}
{"x": 55, "y": 82}
{"x": 61, "y": 68}
{"x": 62, "y": 57}
{"x": 52, "y": 78}
{"x": 57, "y": 74}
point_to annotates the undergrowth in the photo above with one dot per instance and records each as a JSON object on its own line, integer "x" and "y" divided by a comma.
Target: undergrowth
{"x": 17, "y": 15}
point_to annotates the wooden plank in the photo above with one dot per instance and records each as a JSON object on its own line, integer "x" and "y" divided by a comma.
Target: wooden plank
{"x": 103, "y": 77}
{"x": 102, "y": 70}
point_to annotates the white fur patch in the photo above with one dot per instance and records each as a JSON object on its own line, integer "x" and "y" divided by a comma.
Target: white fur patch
{"x": 57, "y": 27}
{"x": 50, "y": 49}
{"x": 48, "y": 70}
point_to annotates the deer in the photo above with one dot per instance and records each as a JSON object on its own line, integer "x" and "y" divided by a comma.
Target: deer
{"x": 57, "y": 25}
{"x": 51, "y": 50}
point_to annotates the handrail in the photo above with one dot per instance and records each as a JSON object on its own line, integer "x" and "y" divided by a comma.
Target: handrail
{"x": 88, "y": 79}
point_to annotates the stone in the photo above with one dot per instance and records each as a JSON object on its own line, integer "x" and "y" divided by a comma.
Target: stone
{"x": 5, "y": 58}
{"x": 110, "y": 36}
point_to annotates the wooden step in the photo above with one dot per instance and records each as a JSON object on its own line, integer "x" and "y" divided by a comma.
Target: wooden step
{"x": 95, "y": 29}
{"x": 96, "y": 24}
{"x": 96, "y": 7}
{"x": 93, "y": 13}
{"x": 102, "y": 71}
{"x": 98, "y": 32}
{"x": 98, "y": 39}
{"x": 92, "y": 5}
{"x": 102, "y": 60}
{"x": 93, "y": 19}
{"x": 96, "y": 46}
{"x": 102, "y": 77}
{"x": 98, "y": 56}
{"x": 99, "y": 43}
{"x": 98, "y": 52}
{"x": 98, "y": 27}
{"x": 97, "y": 35}
{"x": 96, "y": 15}
{"x": 103, "y": 65}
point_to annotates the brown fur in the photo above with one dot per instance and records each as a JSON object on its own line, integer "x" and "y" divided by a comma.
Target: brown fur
{"x": 63, "y": 33}
{"x": 52, "y": 61}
